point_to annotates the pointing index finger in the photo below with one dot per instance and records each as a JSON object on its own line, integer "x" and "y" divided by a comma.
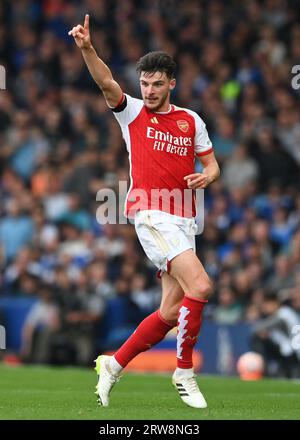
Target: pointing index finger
{"x": 86, "y": 21}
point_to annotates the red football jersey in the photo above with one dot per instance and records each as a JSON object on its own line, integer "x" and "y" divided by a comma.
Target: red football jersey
{"x": 162, "y": 149}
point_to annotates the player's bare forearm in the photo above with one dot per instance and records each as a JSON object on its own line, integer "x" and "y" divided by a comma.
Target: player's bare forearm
{"x": 97, "y": 68}
{"x": 102, "y": 76}
{"x": 209, "y": 174}
{"x": 212, "y": 170}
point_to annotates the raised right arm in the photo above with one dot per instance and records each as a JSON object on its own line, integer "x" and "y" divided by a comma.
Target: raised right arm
{"x": 97, "y": 68}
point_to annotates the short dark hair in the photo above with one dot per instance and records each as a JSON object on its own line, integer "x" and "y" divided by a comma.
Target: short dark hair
{"x": 157, "y": 61}
{"x": 271, "y": 297}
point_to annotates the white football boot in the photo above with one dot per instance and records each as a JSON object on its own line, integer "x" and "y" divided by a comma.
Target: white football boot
{"x": 188, "y": 390}
{"x": 106, "y": 380}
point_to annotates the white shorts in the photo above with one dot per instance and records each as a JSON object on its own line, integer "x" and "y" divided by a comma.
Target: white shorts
{"x": 163, "y": 236}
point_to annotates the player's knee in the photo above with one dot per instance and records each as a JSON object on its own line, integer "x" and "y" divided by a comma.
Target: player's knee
{"x": 202, "y": 289}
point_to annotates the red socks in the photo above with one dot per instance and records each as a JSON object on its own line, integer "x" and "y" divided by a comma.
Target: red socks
{"x": 150, "y": 331}
{"x": 189, "y": 323}
{"x": 154, "y": 328}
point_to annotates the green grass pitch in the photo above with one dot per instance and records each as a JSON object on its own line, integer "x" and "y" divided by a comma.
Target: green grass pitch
{"x": 67, "y": 393}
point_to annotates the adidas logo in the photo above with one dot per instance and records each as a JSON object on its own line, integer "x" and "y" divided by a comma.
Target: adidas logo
{"x": 181, "y": 389}
{"x": 154, "y": 120}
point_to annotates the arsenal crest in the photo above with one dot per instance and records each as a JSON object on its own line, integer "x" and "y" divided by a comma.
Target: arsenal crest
{"x": 183, "y": 125}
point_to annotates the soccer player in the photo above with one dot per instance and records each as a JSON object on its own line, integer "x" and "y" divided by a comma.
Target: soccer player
{"x": 162, "y": 141}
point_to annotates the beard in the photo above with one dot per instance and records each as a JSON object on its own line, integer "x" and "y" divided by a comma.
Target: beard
{"x": 158, "y": 104}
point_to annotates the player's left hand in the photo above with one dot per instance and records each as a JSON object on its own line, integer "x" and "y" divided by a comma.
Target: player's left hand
{"x": 197, "y": 180}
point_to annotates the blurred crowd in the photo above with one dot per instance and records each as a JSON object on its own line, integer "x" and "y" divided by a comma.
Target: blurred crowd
{"x": 60, "y": 144}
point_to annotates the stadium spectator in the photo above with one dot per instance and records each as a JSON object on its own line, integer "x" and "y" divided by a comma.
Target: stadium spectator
{"x": 39, "y": 330}
{"x": 273, "y": 338}
{"x": 81, "y": 316}
{"x": 283, "y": 276}
{"x": 228, "y": 310}
{"x": 240, "y": 169}
{"x": 16, "y": 230}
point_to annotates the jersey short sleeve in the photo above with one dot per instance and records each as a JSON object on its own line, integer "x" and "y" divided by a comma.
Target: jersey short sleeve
{"x": 203, "y": 144}
{"x": 128, "y": 109}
